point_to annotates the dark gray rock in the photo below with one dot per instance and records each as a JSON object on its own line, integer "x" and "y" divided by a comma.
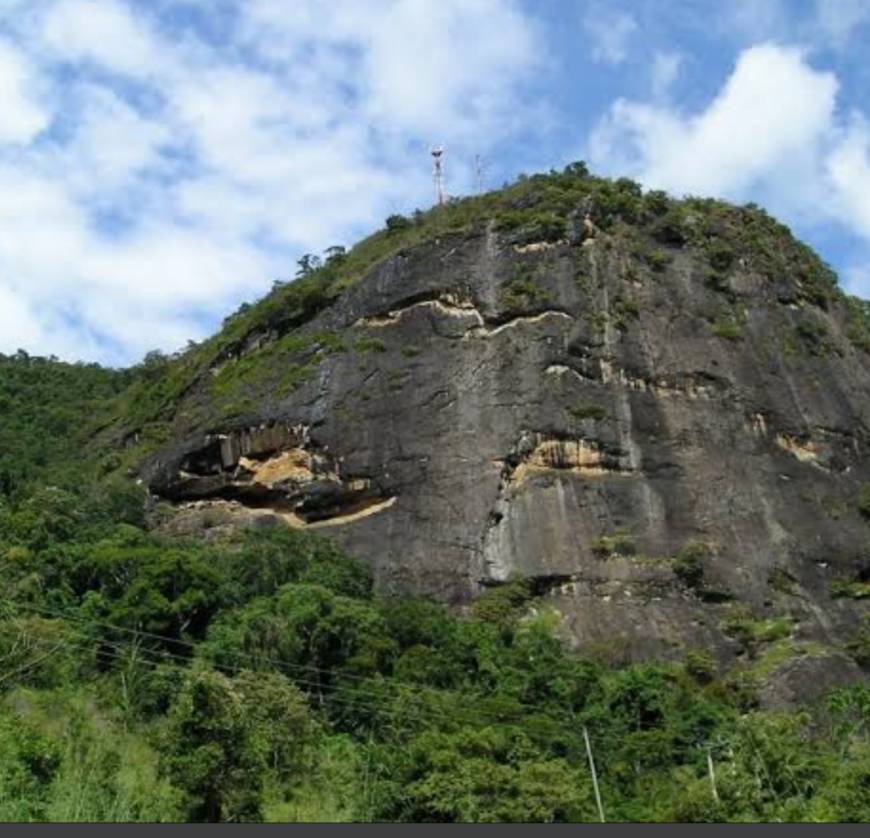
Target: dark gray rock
{"x": 492, "y": 433}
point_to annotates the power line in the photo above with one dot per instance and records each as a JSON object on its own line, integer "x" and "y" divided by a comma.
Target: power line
{"x": 33, "y": 664}
{"x": 369, "y": 697}
{"x": 275, "y": 662}
{"x": 114, "y": 653}
{"x": 363, "y": 694}
{"x": 278, "y": 663}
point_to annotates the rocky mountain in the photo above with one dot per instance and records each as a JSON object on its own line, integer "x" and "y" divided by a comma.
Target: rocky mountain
{"x": 656, "y": 409}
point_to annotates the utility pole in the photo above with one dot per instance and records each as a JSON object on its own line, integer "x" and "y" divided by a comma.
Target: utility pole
{"x": 712, "y": 775}
{"x": 594, "y": 774}
{"x": 438, "y": 174}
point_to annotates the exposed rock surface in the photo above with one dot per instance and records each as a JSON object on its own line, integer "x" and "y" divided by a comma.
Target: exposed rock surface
{"x": 461, "y": 438}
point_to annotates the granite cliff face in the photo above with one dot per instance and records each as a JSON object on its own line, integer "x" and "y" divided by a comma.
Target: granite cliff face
{"x": 659, "y": 415}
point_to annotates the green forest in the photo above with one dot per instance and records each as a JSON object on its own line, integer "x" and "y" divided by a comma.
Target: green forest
{"x": 259, "y": 676}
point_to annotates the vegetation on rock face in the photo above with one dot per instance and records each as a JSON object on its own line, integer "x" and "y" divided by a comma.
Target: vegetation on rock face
{"x": 618, "y": 544}
{"x": 234, "y": 365}
{"x": 259, "y": 676}
{"x": 689, "y": 564}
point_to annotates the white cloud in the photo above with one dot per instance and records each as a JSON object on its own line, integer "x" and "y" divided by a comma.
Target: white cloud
{"x": 771, "y": 134}
{"x": 848, "y": 168}
{"x": 611, "y": 32}
{"x": 183, "y": 174}
{"x": 18, "y": 325}
{"x": 772, "y": 113}
{"x": 106, "y": 32}
{"x": 434, "y": 68}
{"x": 112, "y": 142}
{"x": 441, "y": 70}
{"x": 21, "y": 116}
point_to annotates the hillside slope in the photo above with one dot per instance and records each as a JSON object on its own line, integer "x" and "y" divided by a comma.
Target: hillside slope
{"x": 495, "y": 389}
{"x": 655, "y": 409}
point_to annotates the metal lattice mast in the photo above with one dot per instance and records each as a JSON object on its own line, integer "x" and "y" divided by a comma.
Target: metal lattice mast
{"x": 438, "y": 174}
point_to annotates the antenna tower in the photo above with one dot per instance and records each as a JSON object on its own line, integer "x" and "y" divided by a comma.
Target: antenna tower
{"x": 479, "y": 167}
{"x": 438, "y": 173}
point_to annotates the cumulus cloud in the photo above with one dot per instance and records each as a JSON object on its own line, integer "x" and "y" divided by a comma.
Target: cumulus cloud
{"x": 157, "y": 167}
{"x": 772, "y": 133}
{"x": 770, "y": 115}
{"x": 848, "y": 169}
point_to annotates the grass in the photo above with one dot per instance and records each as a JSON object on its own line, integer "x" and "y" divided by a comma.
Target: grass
{"x": 625, "y": 309}
{"x": 781, "y": 652}
{"x": 580, "y": 412}
{"x": 814, "y": 337}
{"x": 750, "y": 631}
{"x": 688, "y": 564}
{"x": 658, "y": 260}
{"x": 523, "y": 292}
{"x": 858, "y": 323}
{"x": 849, "y": 589}
{"x": 727, "y": 327}
{"x": 329, "y": 793}
{"x": 369, "y": 344}
{"x": 619, "y": 544}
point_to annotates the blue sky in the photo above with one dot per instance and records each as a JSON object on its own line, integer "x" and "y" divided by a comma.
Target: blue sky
{"x": 163, "y": 160}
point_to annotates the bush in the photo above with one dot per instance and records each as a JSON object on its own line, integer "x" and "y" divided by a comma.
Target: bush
{"x": 689, "y": 564}
{"x": 367, "y": 344}
{"x": 578, "y": 169}
{"x": 671, "y": 228}
{"x": 721, "y": 256}
{"x": 750, "y": 631}
{"x": 700, "y": 665}
{"x": 503, "y": 603}
{"x": 580, "y": 412}
{"x": 397, "y": 223}
{"x": 625, "y": 309}
{"x": 859, "y": 646}
{"x": 657, "y": 202}
{"x": 814, "y": 335}
{"x": 658, "y": 260}
{"x": 849, "y": 589}
{"x": 618, "y": 544}
{"x": 727, "y": 327}
{"x": 522, "y": 294}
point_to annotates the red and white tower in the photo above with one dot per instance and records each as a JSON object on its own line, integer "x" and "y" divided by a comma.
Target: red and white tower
{"x": 438, "y": 173}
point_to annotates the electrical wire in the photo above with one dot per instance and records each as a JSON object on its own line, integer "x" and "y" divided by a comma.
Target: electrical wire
{"x": 369, "y": 698}
{"x": 287, "y": 667}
